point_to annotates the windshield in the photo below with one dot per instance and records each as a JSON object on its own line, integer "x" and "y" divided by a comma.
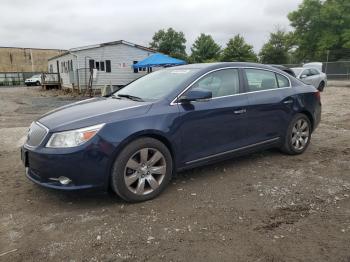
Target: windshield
{"x": 156, "y": 85}
{"x": 297, "y": 71}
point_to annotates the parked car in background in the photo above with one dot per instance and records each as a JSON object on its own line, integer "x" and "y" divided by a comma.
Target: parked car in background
{"x": 35, "y": 80}
{"x": 316, "y": 65}
{"x": 284, "y": 69}
{"x": 170, "y": 120}
{"x": 311, "y": 76}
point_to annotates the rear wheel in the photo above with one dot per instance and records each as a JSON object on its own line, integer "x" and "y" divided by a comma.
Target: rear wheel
{"x": 321, "y": 86}
{"x": 298, "y": 135}
{"x": 142, "y": 170}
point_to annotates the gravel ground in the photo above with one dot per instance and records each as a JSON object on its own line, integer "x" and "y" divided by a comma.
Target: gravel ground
{"x": 262, "y": 207}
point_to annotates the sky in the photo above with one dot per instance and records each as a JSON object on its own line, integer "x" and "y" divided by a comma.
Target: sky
{"x": 65, "y": 24}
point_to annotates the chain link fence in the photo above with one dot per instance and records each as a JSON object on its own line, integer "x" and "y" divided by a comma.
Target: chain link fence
{"x": 335, "y": 63}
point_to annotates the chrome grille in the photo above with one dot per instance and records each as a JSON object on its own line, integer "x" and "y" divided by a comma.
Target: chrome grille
{"x": 36, "y": 134}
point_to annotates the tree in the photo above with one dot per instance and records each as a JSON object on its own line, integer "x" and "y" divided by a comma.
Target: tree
{"x": 204, "y": 49}
{"x": 275, "y": 51}
{"x": 238, "y": 50}
{"x": 321, "y": 25}
{"x": 170, "y": 42}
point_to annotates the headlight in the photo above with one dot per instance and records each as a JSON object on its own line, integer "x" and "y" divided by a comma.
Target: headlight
{"x": 73, "y": 138}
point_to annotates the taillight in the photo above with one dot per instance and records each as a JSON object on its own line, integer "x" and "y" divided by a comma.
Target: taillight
{"x": 318, "y": 95}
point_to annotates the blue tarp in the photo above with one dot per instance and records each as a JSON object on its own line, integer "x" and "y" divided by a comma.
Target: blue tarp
{"x": 158, "y": 60}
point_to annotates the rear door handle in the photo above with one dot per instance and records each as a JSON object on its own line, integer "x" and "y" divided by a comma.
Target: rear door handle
{"x": 290, "y": 101}
{"x": 240, "y": 111}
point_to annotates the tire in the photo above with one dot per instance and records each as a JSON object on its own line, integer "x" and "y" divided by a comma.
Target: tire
{"x": 321, "y": 86}
{"x": 37, "y": 83}
{"x": 298, "y": 135}
{"x": 142, "y": 170}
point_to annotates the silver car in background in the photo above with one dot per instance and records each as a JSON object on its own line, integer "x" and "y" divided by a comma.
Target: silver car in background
{"x": 311, "y": 76}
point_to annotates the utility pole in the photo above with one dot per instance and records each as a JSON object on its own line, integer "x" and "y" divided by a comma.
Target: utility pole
{"x": 32, "y": 59}
{"x": 326, "y": 62}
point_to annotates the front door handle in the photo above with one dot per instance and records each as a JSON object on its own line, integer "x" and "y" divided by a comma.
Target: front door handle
{"x": 240, "y": 111}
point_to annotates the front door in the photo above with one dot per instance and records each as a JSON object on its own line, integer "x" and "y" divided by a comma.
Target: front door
{"x": 217, "y": 125}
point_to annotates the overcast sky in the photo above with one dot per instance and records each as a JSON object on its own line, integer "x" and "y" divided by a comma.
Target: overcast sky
{"x": 65, "y": 24}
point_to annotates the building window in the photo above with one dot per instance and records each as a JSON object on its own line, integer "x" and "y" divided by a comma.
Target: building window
{"x": 97, "y": 64}
{"x": 91, "y": 64}
{"x": 136, "y": 70}
{"x": 108, "y": 66}
{"x": 102, "y": 66}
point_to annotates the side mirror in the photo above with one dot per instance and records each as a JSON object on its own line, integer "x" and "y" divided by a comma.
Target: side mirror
{"x": 199, "y": 95}
{"x": 303, "y": 76}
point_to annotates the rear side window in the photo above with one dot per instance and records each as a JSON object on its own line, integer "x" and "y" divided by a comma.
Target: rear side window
{"x": 282, "y": 81}
{"x": 260, "y": 80}
{"x": 221, "y": 83}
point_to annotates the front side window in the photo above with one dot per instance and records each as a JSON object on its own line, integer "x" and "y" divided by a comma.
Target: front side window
{"x": 306, "y": 72}
{"x": 260, "y": 80}
{"x": 220, "y": 83}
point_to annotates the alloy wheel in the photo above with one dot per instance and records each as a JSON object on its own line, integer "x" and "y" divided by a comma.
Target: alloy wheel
{"x": 300, "y": 134}
{"x": 145, "y": 171}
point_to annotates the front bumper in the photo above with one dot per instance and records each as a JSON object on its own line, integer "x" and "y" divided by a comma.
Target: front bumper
{"x": 87, "y": 167}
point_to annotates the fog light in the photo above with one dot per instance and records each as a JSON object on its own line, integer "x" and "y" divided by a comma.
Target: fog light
{"x": 62, "y": 179}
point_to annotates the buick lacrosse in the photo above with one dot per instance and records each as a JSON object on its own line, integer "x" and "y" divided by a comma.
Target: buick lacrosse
{"x": 136, "y": 139}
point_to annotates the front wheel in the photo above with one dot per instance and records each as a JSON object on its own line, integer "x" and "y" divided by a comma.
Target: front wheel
{"x": 142, "y": 170}
{"x": 298, "y": 135}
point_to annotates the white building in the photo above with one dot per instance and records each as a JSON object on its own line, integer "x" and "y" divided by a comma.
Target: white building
{"x": 112, "y": 63}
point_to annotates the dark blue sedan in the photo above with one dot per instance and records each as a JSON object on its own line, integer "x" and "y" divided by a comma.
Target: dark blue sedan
{"x": 173, "y": 119}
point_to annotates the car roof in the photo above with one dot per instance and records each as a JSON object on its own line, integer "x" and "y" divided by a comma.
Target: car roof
{"x": 211, "y": 66}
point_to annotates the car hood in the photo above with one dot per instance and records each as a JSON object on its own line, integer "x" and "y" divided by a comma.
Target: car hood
{"x": 91, "y": 112}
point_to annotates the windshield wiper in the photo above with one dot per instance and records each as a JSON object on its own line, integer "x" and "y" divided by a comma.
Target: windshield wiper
{"x": 134, "y": 98}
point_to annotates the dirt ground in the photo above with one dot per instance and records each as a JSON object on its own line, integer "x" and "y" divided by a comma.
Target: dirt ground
{"x": 262, "y": 207}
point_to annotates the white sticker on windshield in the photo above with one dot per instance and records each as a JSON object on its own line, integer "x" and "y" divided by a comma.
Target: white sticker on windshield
{"x": 180, "y": 71}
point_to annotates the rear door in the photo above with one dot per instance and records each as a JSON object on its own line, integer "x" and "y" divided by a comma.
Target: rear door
{"x": 217, "y": 125}
{"x": 270, "y": 99}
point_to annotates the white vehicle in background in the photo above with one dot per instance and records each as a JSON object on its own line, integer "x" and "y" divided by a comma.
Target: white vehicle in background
{"x": 34, "y": 80}
{"x": 311, "y": 76}
{"x": 316, "y": 65}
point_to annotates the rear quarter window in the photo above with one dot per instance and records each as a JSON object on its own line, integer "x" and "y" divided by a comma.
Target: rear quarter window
{"x": 282, "y": 81}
